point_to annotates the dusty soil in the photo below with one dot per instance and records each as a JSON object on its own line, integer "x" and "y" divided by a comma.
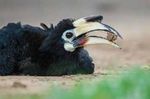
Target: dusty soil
{"x": 132, "y": 20}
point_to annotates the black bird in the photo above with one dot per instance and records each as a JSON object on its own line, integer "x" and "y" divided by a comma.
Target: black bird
{"x": 55, "y": 50}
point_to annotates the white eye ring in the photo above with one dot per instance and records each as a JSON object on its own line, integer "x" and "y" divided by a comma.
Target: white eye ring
{"x": 70, "y": 36}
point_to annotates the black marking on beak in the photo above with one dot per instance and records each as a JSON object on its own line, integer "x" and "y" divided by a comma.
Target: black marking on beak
{"x": 110, "y": 30}
{"x": 94, "y": 18}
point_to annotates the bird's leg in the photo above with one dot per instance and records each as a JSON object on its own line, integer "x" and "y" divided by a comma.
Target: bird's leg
{"x": 86, "y": 64}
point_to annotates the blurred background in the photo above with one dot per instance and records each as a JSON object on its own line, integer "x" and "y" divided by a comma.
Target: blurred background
{"x": 130, "y": 17}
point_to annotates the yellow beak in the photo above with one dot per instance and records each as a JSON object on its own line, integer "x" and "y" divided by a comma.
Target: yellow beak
{"x": 87, "y": 25}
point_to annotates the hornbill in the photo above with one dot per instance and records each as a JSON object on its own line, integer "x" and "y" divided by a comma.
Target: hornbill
{"x": 55, "y": 50}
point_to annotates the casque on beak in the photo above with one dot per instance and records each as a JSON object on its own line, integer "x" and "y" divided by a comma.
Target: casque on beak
{"x": 85, "y": 26}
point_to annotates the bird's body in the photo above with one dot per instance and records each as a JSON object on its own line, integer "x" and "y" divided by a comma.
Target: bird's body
{"x": 19, "y": 54}
{"x": 59, "y": 50}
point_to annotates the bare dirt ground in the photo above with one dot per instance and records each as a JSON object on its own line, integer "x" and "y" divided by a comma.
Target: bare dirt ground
{"x": 135, "y": 50}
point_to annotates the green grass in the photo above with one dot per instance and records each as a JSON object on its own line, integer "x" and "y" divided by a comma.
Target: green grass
{"x": 134, "y": 84}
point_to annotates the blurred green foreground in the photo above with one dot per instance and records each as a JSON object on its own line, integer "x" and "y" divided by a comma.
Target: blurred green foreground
{"x": 134, "y": 84}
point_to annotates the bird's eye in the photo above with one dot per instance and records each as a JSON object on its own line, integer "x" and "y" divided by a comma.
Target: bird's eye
{"x": 69, "y": 35}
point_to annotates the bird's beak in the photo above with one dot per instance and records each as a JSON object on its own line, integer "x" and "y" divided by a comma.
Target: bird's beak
{"x": 84, "y": 28}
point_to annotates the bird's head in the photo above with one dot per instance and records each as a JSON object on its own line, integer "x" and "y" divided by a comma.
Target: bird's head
{"x": 72, "y": 34}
